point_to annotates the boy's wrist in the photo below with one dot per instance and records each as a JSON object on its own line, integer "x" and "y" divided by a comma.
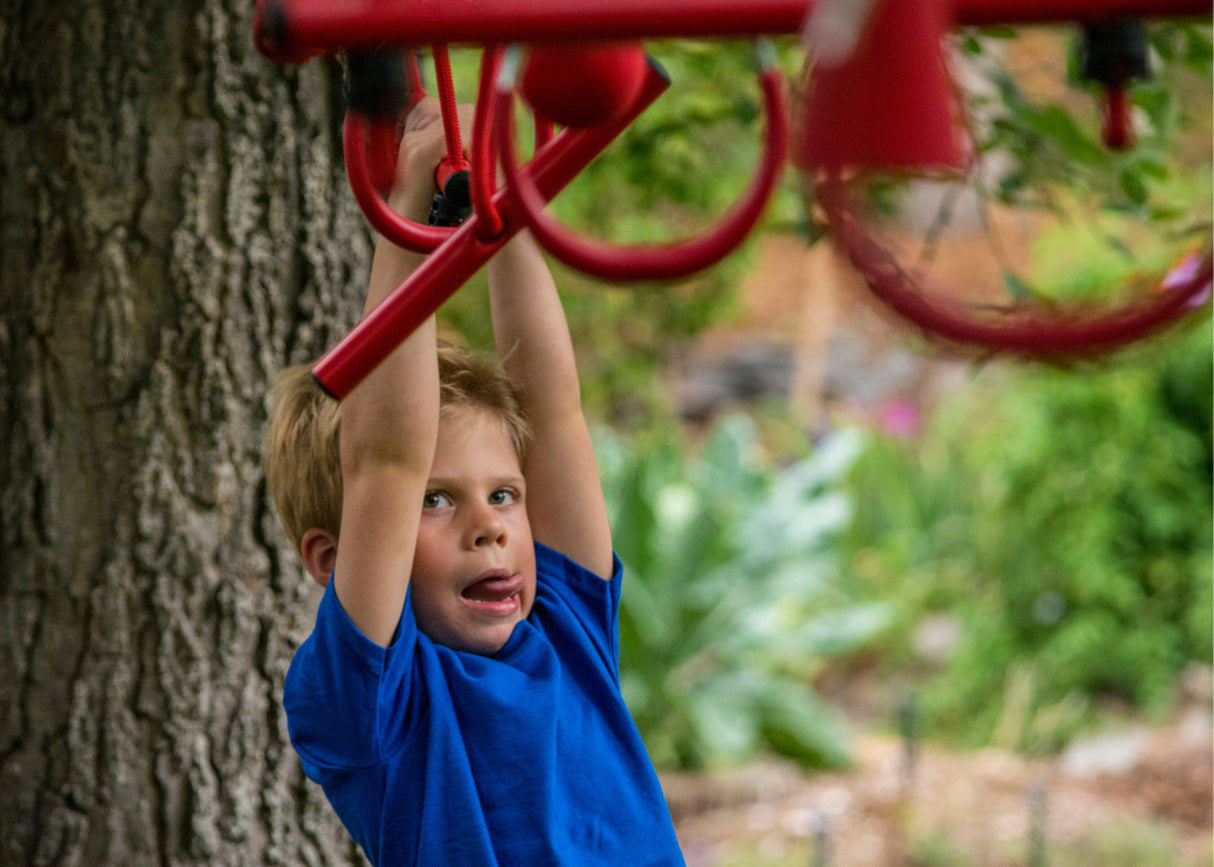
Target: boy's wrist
{"x": 411, "y": 203}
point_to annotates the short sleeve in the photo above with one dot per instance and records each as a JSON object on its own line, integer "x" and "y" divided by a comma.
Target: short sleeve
{"x": 575, "y": 598}
{"x": 347, "y": 699}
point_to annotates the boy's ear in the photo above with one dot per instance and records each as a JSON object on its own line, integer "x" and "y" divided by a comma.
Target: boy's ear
{"x": 319, "y": 554}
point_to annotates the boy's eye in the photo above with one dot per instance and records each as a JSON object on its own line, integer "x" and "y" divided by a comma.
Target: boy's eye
{"x": 503, "y": 497}
{"x": 435, "y": 500}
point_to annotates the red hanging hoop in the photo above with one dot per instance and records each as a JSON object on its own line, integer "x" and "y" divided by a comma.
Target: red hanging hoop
{"x": 622, "y": 263}
{"x": 399, "y": 230}
{"x": 484, "y": 149}
{"x": 1030, "y": 331}
{"x": 371, "y": 144}
{"x": 487, "y": 144}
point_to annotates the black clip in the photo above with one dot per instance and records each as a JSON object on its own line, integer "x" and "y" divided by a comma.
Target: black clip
{"x": 443, "y": 212}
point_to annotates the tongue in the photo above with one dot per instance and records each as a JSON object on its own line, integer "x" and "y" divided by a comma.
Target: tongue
{"x": 492, "y": 589}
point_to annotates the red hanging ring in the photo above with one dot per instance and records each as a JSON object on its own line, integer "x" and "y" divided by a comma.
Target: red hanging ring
{"x": 485, "y": 146}
{"x": 1032, "y": 332}
{"x": 401, "y": 231}
{"x": 371, "y": 147}
{"x": 651, "y": 261}
{"x": 397, "y": 229}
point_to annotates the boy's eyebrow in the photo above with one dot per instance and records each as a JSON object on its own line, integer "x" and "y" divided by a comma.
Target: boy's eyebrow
{"x": 458, "y": 481}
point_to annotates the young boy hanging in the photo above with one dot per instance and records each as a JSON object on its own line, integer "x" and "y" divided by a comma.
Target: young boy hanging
{"x": 458, "y": 698}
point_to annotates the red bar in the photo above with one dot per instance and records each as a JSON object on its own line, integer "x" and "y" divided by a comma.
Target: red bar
{"x": 323, "y": 25}
{"x": 982, "y": 12}
{"x": 463, "y": 254}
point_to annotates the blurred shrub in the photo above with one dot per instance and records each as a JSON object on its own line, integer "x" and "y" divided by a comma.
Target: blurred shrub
{"x": 1065, "y": 517}
{"x": 731, "y": 601}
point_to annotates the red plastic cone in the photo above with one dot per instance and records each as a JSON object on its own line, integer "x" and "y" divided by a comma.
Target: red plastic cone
{"x": 891, "y": 104}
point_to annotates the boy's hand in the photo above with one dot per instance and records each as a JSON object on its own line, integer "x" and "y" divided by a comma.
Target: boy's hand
{"x": 422, "y": 148}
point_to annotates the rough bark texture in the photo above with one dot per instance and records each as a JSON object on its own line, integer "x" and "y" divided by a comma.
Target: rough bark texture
{"x": 174, "y": 226}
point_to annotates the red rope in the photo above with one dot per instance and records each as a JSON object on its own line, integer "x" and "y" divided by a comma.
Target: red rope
{"x": 413, "y": 77}
{"x": 446, "y": 100}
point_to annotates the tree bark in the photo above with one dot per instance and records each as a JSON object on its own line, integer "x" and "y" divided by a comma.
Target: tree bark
{"x": 175, "y": 225}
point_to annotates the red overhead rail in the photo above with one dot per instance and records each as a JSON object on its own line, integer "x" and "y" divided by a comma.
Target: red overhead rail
{"x": 300, "y": 26}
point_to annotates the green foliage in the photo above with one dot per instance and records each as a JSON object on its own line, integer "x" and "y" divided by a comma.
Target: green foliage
{"x": 935, "y": 849}
{"x": 1065, "y": 517}
{"x": 1056, "y": 152}
{"x": 730, "y": 600}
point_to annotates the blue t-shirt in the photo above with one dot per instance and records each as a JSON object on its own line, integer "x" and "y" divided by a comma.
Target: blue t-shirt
{"x": 433, "y": 756}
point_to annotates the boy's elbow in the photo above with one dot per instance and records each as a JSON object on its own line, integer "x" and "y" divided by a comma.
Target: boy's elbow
{"x": 375, "y": 445}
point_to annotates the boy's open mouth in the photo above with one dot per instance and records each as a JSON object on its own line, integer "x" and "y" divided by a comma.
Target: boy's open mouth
{"x": 496, "y": 594}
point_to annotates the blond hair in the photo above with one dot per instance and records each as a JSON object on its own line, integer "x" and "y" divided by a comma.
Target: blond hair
{"x": 303, "y": 453}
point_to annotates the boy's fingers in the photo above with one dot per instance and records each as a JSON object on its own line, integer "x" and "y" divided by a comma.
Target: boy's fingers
{"x": 423, "y": 132}
{"x": 424, "y": 145}
{"x": 467, "y": 114}
{"x": 426, "y": 112}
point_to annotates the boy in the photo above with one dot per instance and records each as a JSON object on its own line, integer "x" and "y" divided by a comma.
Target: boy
{"x": 459, "y": 697}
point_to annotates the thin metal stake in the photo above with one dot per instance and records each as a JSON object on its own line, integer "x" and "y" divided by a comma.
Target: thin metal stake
{"x": 1038, "y": 797}
{"x": 821, "y": 832}
{"x": 908, "y": 725}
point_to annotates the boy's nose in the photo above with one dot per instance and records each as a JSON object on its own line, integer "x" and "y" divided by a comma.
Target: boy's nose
{"x": 488, "y": 529}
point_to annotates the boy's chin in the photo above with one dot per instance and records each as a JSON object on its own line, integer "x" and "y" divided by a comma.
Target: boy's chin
{"x": 485, "y": 643}
{"x": 472, "y": 632}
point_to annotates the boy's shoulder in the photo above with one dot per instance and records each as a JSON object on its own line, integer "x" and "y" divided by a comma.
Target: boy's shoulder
{"x": 563, "y": 576}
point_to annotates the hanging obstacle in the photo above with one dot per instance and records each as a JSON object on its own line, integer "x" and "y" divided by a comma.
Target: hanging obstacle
{"x": 889, "y": 106}
{"x": 883, "y": 103}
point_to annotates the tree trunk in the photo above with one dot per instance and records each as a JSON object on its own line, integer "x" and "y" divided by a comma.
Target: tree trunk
{"x": 175, "y": 225}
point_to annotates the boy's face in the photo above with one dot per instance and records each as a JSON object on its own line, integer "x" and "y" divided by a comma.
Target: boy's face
{"x": 474, "y": 570}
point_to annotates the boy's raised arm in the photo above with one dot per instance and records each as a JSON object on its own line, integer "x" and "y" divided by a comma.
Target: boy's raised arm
{"x": 564, "y": 495}
{"x": 389, "y": 422}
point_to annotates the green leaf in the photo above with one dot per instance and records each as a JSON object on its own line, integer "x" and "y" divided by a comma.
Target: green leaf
{"x": 1133, "y": 186}
{"x": 724, "y": 719}
{"x": 1016, "y": 287}
{"x": 798, "y": 725}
